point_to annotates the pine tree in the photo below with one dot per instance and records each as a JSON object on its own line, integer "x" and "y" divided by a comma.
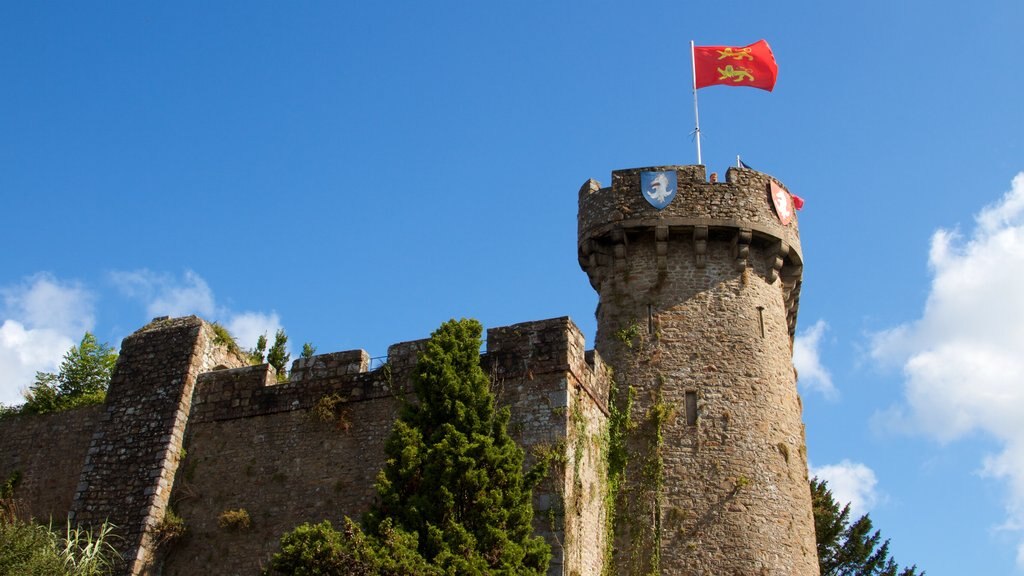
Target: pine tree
{"x": 278, "y": 355}
{"x": 453, "y": 474}
{"x": 846, "y": 549}
{"x": 452, "y": 497}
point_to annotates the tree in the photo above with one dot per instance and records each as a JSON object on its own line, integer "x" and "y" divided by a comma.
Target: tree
{"x": 453, "y": 474}
{"x": 308, "y": 350}
{"x": 278, "y": 355}
{"x": 83, "y": 379}
{"x": 452, "y": 497}
{"x": 258, "y": 354}
{"x": 846, "y": 549}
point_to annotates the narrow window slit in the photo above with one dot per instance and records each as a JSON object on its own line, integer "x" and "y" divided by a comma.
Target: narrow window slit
{"x": 691, "y": 408}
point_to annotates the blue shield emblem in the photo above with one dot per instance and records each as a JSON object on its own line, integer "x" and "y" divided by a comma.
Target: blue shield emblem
{"x": 658, "y": 188}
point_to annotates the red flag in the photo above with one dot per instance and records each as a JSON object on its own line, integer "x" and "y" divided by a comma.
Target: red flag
{"x": 752, "y": 66}
{"x": 798, "y": 202}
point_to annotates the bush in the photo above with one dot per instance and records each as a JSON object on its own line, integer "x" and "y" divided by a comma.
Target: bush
{"x": 171, "y": 528}
{"x": 321, "y": 550}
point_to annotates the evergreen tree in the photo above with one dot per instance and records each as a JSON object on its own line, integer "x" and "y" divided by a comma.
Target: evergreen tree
{"x": 846, "y": 549}
{"x": 258, "y": 354}
{"x": 278, "y": 355}
{"x": 452, "y": 497}
{"x": 453, "y": 474}
{"x": 308, "y": 350}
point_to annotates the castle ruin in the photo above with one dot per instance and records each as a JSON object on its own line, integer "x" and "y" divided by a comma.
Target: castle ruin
{"x": 682, "y": 448}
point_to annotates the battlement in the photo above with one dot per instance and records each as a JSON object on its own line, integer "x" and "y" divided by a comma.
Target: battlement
{"x": 741, "y": 202}
{"x": 738, "y": 211}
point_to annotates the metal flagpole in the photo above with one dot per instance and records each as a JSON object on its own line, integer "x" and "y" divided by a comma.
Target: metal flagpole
{"x": 696, "y": 117}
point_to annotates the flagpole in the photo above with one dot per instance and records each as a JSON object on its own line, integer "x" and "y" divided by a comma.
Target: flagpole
{"x": 696, "y": 117}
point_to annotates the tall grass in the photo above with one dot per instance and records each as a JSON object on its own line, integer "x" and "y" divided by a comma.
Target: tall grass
{"x": 30, "y": 549}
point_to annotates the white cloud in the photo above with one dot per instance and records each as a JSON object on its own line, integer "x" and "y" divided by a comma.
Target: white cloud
{"x": 850, "y": 482}
{"x": 963, "y": 360}
{"x": 42, "y": 318}
{"x": 248, "y": 326}
{"x": 812, "y": 375}
{"x": 165, "y": 294}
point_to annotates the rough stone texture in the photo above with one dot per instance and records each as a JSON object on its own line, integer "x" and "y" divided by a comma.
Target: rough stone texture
{"x": 135, "y": 448}
{"x": 684, "y": 294}
{"x": 557, "y": 397}
{"x": 48, "y": 451}
{"x": 284, "y": 468}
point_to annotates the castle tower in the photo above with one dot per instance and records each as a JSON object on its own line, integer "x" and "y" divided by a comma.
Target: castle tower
{"x": 698, "y": 303}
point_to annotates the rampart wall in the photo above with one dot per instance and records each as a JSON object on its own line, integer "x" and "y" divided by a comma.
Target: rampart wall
{"x": 187, "y": 428}
{"x": 46, "y": 451}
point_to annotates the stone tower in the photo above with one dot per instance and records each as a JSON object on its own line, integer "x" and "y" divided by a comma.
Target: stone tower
{"x": 698, "y": 304}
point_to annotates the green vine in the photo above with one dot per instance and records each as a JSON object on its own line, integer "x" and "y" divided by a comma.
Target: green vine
{"x": 615, "y": 457}
{"x": 629, "y": 335}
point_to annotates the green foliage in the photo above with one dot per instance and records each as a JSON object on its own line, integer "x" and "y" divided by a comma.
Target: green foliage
{"x": 82, "y": 380}
{"x": 846, "y": 549}
{"x": 330, "y": 408}
{"x": 320, "y": 550}
{"x": 278, "y": 356}
{"x": 224, "y": 338}
{"x": 308, "y": 350}
{"x": 258, "y": 354}
{"x": 29, "y": 549}
{"x": 453, "y": 474}
{"x": 629, "y": 335}
{"x": 236, "y": 520}
{"x": 171, "y": 528}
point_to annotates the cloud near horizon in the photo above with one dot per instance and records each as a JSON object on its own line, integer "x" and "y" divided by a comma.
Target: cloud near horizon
{"x": 851, "y": 483}
{"x": 165, "y": 294}
{"x": 962, "y": 360}
{"x": 42, "y": 318}
{"x": 811, "y": 374}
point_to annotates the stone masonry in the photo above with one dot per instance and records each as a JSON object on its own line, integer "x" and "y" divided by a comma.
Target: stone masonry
{"x": 696, "y": 316}
{"x": 188, "y": 426}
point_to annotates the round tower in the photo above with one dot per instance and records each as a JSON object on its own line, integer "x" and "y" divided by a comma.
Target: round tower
{"x": 699, "y": 283}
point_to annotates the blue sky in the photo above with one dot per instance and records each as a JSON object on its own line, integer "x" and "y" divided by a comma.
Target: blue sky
{"x": 360, "y": 174}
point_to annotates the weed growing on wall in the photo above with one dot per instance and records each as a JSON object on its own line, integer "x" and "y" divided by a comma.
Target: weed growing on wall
{"x": 234, "y": 520}
{"x": 222, "y": 337}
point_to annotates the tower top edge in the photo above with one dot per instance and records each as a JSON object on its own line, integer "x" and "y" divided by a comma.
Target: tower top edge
{"x": 744, "y": 198}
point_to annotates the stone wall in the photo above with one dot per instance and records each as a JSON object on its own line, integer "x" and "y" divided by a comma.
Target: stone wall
{"x": 47, "y": 452}
{"x": 282, "y": 467}
{"x": 189, "y": 428}
{"x": 557, "y": 396}
{"x": 136, "y": 445}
